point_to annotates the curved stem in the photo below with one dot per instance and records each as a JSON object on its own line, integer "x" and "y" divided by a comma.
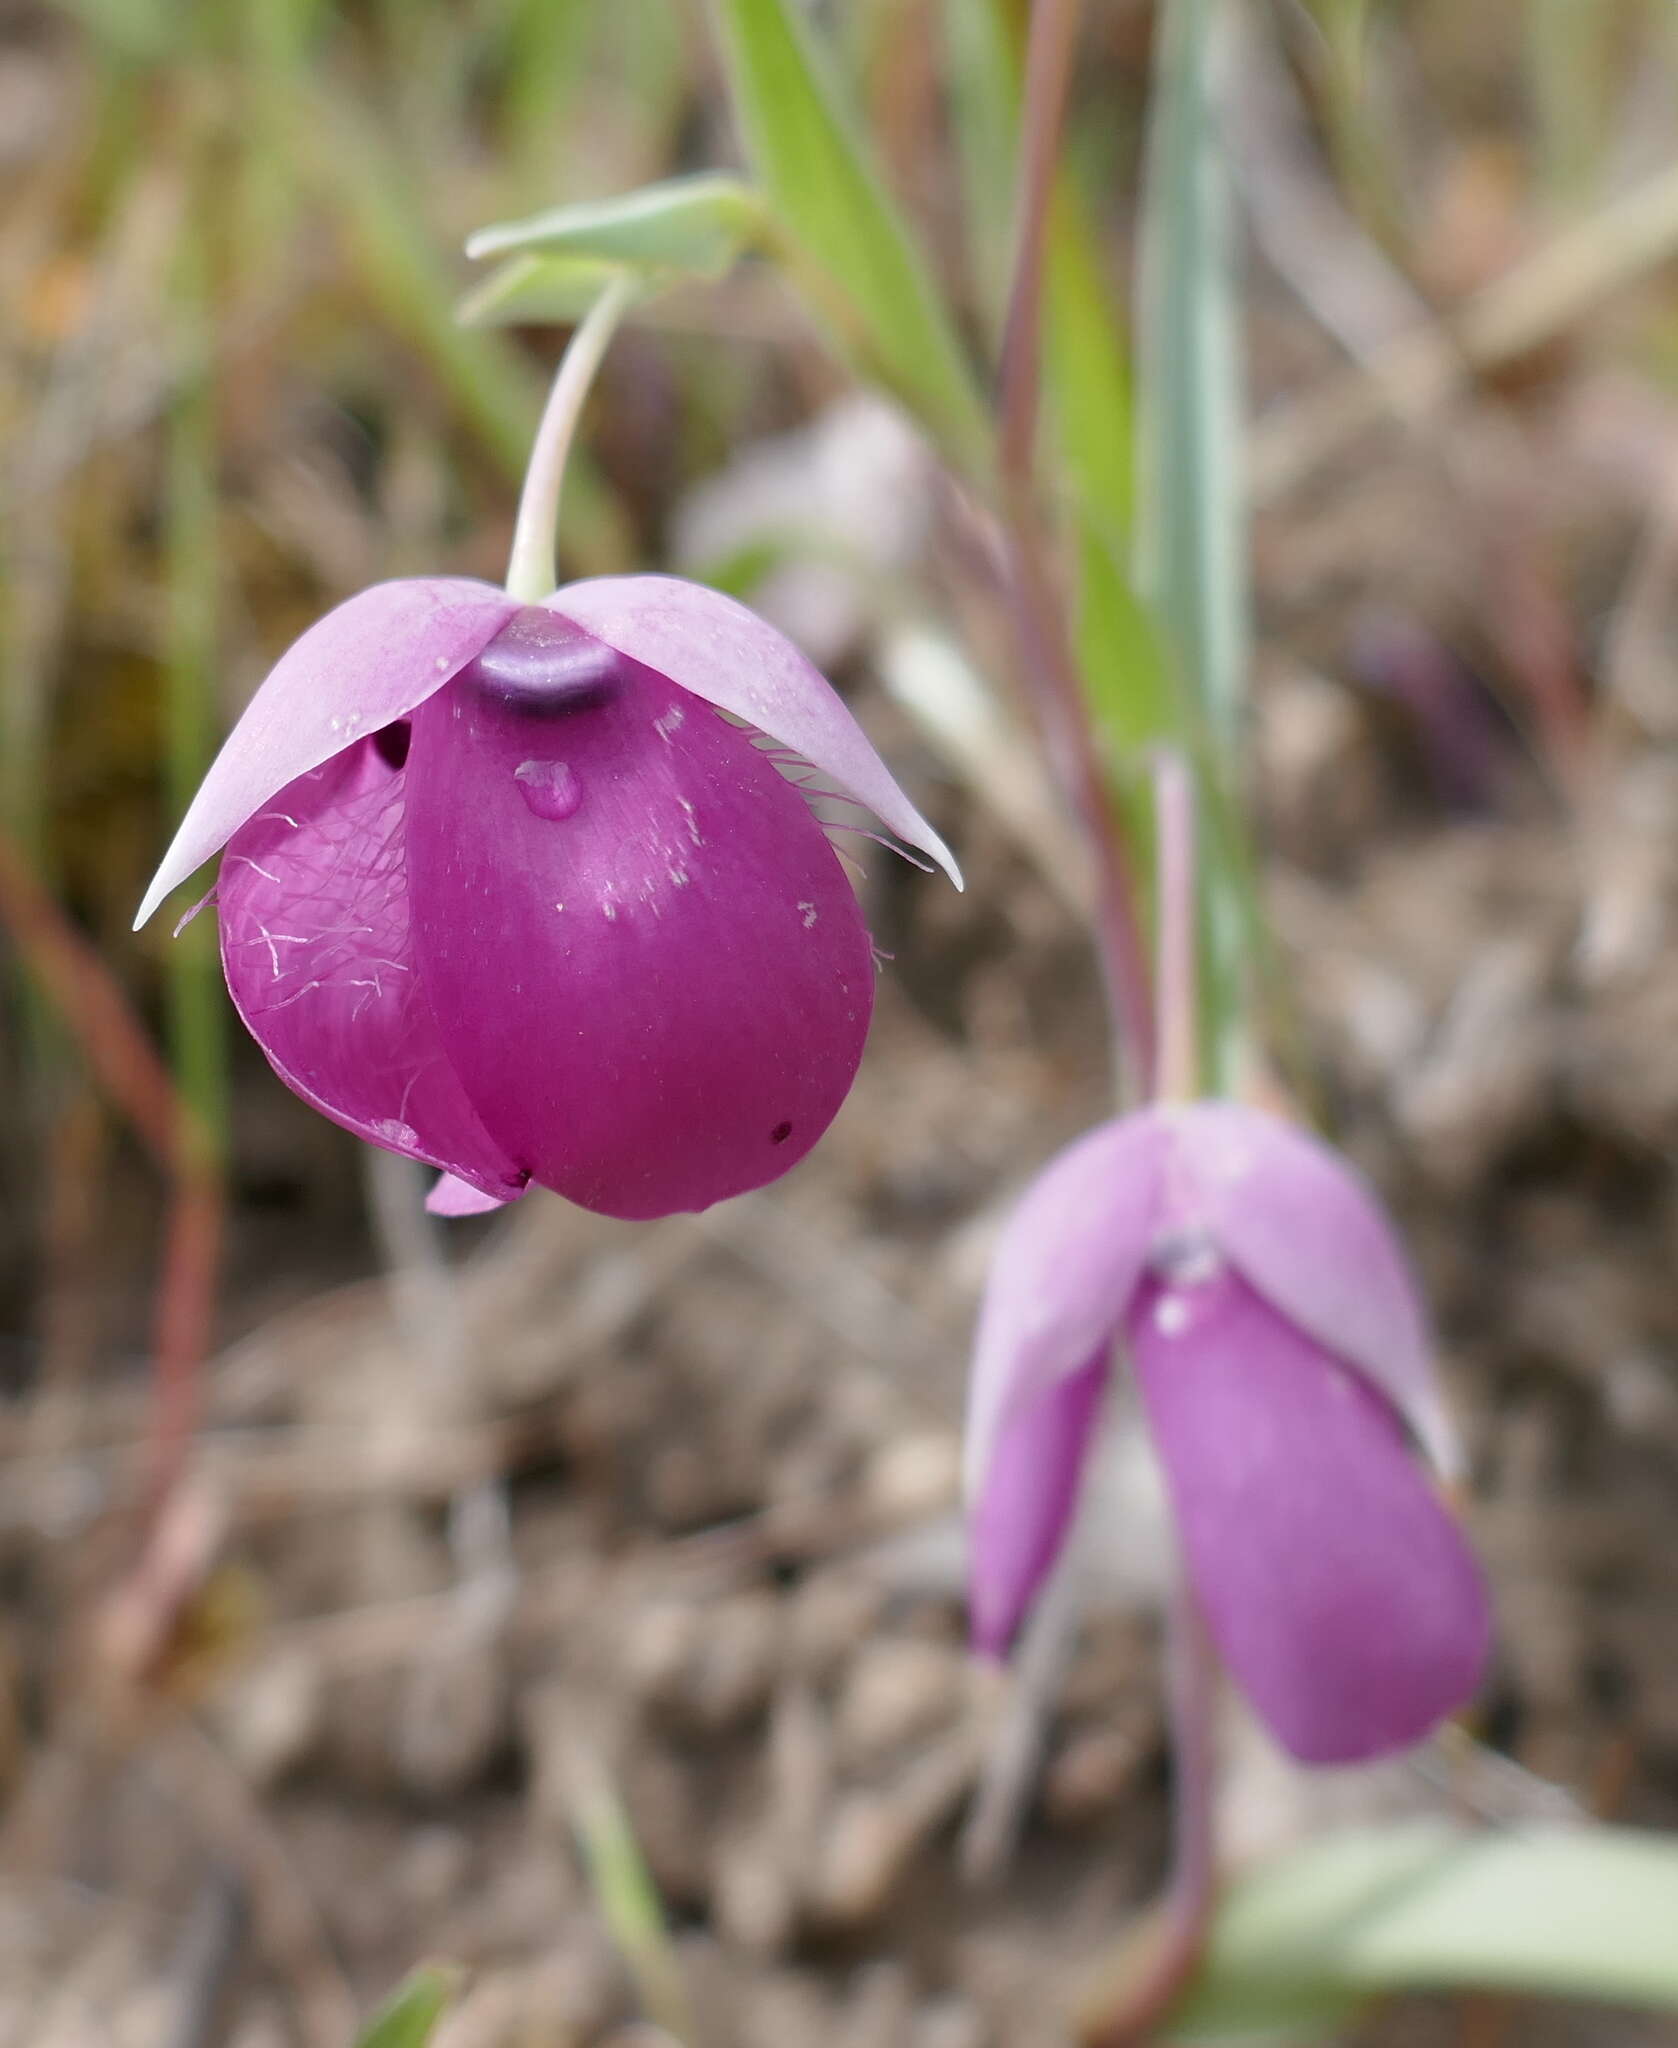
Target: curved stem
{"x": 531, "y": 565}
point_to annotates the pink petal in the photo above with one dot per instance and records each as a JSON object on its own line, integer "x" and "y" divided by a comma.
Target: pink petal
{"x": 646, "y": 963}
{"x": 720, "y": 651}
{"x": 1026, "y": 1500}
{"x": 1305, "y": 1229}
{"x": 454, "y": 1197}
{"x": 366, "y": 664}
{"x": 1065, "y": 1267}
{"x": 1339, "y": 1592}
{"x": 313, "y": 908}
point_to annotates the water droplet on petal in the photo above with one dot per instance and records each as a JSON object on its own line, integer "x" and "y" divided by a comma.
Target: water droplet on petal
{"x": 550, "y": 788}
{"x": 1171, "y": 1315}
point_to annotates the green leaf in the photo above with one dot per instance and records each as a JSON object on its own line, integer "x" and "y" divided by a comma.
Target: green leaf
{"x": 536, "y": 291}
{"x": 694, "y": 227}
{"x": 844, "y": 243}
{"x": 1556, "y": 1912}
{"x": 411, "y": 2015}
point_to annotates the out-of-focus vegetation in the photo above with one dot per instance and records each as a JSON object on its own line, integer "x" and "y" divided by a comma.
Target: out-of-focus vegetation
{"x": 233, "y": 388}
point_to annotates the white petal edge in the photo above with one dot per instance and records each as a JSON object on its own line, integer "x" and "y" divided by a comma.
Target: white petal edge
{"x": 719, "y": 650}
{"x": 1063, "y": 1272}
{"x": 455, "y": 1197}
{"x": 1304, "y": 1228}
{"x": 372, "y": 659}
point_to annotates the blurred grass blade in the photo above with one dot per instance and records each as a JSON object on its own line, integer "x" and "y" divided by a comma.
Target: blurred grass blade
{"x": 625, "y": 1893}
{"x": 410, "y": 2018}
{"x": 1126, "y": 665}
{"x": 982, "y": 63}
{"x": 1086, "y": 360}
{"x": 1345, "y": 29}
{"x": 850, "y": 252}
{"x": 1191, "y": 540}
{"x": 1569, "y": 60}
{"x": 197, "y": 1010}
{"x": 695, "y": 227}
{"x": 395, "y": 256}
{"x": 1191, "y": 544}
{"x": 959, "y": 713}
{"x": 1087, "y": 368}
{"x": 1587, "y": 1913}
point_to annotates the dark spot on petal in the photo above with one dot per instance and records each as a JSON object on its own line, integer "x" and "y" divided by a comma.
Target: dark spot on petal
{"x": 391, "y": 743}
{"x": 780, "y": 1134}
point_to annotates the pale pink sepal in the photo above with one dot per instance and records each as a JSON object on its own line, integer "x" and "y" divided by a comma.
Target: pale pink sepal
{"x": 1067, "y": 1263}
{"x": 1026, "y": 1504}
{"x": 368, "y": 662}
{"x": 454, "y": 1197}
{"x": 1338, "y": 1588}
{"x": 718, "y": 650}
{"x": 1302, "y": 1227}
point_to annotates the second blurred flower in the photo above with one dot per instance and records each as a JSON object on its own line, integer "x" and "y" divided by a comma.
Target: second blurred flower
{"x": 1280, "y": 1353}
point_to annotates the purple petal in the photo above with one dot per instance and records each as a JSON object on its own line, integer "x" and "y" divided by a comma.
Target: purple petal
{"x": 1025, "y": 1502}
{"x": 312, "y": 903}
{"x": 1065, "y": 1267}
{"x": 366, "y": 664}
{"x": 1305, "y": 1229}
{"x": 647, "y": 965}
{"x": 720, "y": 651}
{"x": 1339, "y": 1592}
{"x": 454, "y": 1197}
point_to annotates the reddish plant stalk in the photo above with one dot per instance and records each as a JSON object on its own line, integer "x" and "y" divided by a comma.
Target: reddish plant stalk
{"x": 128, "y": 1068}
{"x": 1061, "y": 706}
{"x": 1048, "y": 662}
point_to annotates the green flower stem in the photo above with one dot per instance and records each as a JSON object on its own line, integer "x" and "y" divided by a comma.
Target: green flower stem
{"x": 531, "y": 567}
{"x": 1177, "y": 936}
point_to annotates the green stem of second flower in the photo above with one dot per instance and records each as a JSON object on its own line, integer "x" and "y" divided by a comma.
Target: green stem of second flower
{"x": 531, "y": 567}
{"x": 1177, "y": 937}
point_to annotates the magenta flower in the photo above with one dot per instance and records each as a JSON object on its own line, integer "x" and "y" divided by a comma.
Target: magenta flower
{"x": 515, "y": 889}
{"x": 1279, "y": 1347}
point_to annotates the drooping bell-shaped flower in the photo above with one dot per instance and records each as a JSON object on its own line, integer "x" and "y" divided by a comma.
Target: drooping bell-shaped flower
{"x": 1282, "y": 1359}
{"x": 517, "y": 890}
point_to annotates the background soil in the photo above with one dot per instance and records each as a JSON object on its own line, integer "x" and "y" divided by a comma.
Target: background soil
{"x": 493, "y": 1545}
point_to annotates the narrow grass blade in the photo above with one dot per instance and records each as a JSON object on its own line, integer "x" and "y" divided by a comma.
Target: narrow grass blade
{"x": 1086, "y": 356}
{"x": 410, "y": 2018}
{"x": 395, "y": 256}
{"x": 982, "y": 63}
{"x": 1191, "y": 546}
{"x": 1191, "y": 541}
{"x": 197, "y": 1010}
{"x": 847, "y": 246}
